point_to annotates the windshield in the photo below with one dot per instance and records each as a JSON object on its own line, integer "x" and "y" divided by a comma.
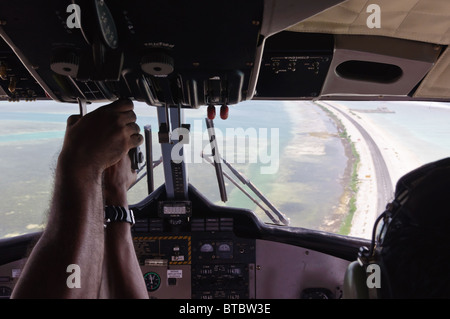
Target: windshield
{"x": 310, "y": 160}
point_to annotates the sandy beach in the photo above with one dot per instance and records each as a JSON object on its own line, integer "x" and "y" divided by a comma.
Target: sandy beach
{"x": 398, "y": 160}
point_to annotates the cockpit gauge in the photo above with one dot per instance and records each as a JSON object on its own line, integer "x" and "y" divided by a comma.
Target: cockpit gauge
{"x": 152, "y": 281}
{"x": 5, "y": 291}
{"x": 225, "y": 250}
{"x": 97, "y": 24}
{"x": 107, "y": 24}
{"x": 224, "y": 247}
{"x": 206, "y": 248}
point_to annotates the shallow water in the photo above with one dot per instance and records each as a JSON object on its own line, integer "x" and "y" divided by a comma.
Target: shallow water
{"x": 300, "y": 145}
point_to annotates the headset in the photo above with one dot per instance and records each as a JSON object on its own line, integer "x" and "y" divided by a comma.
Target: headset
{"x": 395, "y": 216}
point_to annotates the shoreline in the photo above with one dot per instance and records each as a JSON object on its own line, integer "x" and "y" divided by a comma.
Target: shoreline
{"x": 360, "y": 218}
{"x": 313, "y": 127}
{"x": 398, "y": 159}
{"x": 340, "y": 219}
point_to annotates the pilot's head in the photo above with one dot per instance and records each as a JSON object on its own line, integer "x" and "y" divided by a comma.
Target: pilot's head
{"x": 414, "y": 252}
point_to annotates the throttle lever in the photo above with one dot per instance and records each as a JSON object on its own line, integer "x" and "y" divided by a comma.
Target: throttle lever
{"x": 82, "y": 105}
{"x": 136, "y": 157}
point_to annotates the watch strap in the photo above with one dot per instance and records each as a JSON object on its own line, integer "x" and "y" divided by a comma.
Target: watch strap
{"x": 118, "y": 214}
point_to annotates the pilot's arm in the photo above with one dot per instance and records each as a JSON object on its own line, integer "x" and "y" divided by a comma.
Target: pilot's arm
{"x": 122, "y": 276}
{"x": 67, "y": 260}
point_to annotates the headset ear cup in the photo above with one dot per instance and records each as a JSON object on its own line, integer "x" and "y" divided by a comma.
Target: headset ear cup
{"x": 370, "y": 258}
{"x": 364, "y": 253}
{"x": 378, "y": 280}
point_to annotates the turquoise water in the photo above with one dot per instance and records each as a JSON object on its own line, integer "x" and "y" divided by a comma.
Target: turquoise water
{"x": 306, "y": 187}
{"x": 31, "y": 136}
{"x": 421, "y": 127}
{"x": 307, "y": 154}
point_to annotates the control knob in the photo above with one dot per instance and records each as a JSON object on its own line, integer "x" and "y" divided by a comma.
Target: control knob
{"x": 159, "y": 65}
{"x": 66, "y": 64}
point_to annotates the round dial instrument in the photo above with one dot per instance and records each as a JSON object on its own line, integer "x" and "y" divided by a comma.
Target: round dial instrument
{"x": 224, "y": 247}
{"x": 207, "y": 248}
{"x": 107, "y": 25}
{"x": 152, "y": 281}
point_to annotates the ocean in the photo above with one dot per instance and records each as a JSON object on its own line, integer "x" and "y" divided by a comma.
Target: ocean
{"x": 290, "y": 150}
{"x": 423, "y": 128}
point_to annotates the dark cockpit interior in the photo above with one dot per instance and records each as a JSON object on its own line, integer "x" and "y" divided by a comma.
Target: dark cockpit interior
{"x": 178, "y": 56}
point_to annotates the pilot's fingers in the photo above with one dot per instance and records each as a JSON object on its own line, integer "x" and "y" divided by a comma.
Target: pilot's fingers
{"x": 122, "y": 105}
{"x": 132, "y": 130}
{"x": 136, "y": 140}
{"x": 127, "y": 117}
{"x": 71, "y": 120}
{"x": 115, "y": 108}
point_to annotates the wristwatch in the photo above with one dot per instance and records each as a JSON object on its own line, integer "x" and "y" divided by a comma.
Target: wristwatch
{"x": 118, "y": 214}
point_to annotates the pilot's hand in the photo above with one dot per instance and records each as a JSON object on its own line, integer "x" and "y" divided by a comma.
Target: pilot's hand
{"x": 117, "y": 180}
{"x": 101, "y": 138}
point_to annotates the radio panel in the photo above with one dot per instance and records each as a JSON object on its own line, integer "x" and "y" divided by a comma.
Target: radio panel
{"x": 210, "y": 258}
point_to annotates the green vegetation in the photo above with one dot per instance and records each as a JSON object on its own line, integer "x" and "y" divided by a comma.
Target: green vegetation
{"x": 352, "y": 187}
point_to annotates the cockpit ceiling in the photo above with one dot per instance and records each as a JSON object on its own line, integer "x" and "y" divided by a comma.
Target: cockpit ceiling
{"x": 188, "y": 57}
{"x": 416, "y": 20}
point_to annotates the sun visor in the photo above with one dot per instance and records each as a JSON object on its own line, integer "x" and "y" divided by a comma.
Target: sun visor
{"x": 378, "y": 66}
{"x": 418, "y": 20}
{"x": 437, "y": 83}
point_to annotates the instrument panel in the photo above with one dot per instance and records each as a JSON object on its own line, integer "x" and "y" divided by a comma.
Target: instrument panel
{"x": 205, "y": 251}
{"x": 211, "y": 262}
{"x": 217, "y": 264}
